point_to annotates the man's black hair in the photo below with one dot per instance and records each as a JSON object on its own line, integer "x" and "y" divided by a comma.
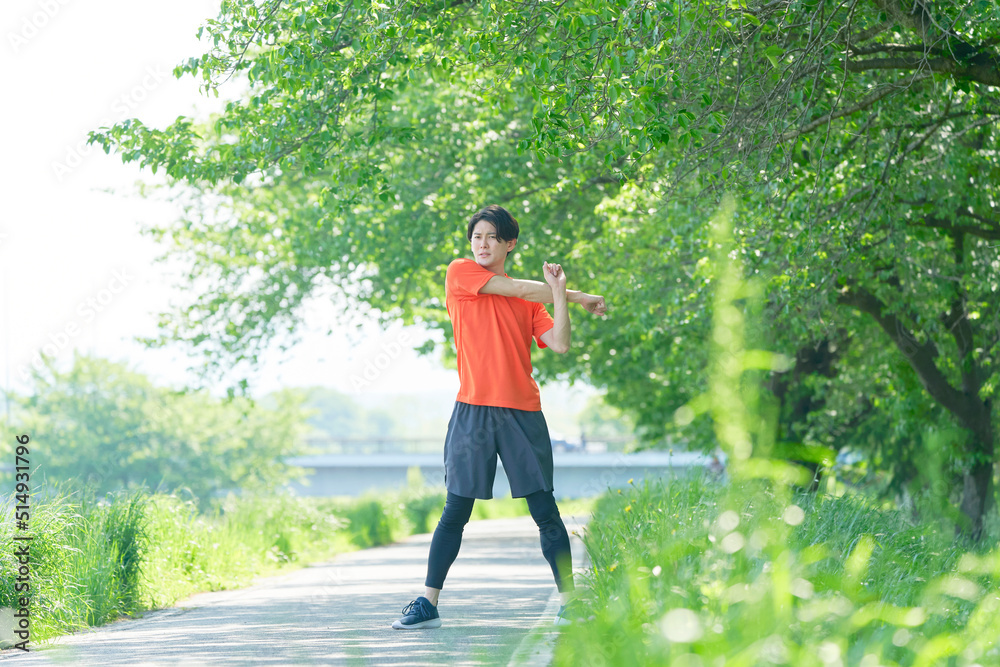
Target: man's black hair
{"x": 502, "y": 220}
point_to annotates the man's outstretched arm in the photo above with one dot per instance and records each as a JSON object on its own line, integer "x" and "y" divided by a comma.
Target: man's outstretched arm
{"x": 539, "y": 292}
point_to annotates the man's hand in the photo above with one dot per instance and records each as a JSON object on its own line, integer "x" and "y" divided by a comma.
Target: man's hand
{"x": 554, "y": 276}
{"x": 593, "y": 303}
{"x": 556, "y": 279}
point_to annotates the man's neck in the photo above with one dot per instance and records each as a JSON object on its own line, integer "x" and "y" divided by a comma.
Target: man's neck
{"x": 502, "y": 271}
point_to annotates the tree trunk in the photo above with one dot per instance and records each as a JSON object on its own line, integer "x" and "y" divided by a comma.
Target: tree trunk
{"x": 977, "y": 483}
{"x": 972, "y": 412}
{"x": 795, "y": 402}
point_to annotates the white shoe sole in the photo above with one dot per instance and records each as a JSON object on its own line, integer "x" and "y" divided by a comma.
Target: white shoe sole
{"x": 432, "y": 623}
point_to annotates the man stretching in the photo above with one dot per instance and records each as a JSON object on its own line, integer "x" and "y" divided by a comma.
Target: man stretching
{"x": 498, "y": 408}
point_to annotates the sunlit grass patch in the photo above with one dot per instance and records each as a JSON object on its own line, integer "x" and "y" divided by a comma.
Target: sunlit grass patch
{"x": 682, "y": 573}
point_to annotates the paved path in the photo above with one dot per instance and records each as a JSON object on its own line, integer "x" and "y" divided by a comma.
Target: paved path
{"x": 340, "y": 612}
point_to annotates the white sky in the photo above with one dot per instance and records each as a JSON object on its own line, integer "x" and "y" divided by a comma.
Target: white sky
{"x": 75, "y": 271}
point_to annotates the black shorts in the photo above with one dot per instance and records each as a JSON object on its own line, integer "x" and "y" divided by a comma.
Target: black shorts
{"x": 477, "y": 433}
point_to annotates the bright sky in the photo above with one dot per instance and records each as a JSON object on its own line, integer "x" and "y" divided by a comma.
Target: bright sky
{"x": 75, "y": 271}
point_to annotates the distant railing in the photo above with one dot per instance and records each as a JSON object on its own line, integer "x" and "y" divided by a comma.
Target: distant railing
{"x": 335, "y": 445}
{"x": 394, "y": 445}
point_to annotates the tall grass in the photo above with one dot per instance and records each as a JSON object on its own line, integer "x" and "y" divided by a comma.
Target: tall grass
{"x": 85, "y": 558}
{"x": 750, "y": 572}
{"x": 678, "y": 577}
{"x": 229, "y": 545}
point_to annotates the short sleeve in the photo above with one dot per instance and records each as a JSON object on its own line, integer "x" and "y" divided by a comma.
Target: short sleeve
{"x": 465, "y": 278}
{"x": 541, "y": 322}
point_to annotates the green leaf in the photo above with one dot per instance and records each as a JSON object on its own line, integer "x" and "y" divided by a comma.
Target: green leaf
{"x": 772, "y": 53}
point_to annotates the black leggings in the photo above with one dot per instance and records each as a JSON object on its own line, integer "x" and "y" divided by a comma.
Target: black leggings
{"x": 457, "y": 510}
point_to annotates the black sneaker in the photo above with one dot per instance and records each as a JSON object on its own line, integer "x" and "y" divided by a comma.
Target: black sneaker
{"x": 418, "y": 614}
{"x": 570, "y": 613}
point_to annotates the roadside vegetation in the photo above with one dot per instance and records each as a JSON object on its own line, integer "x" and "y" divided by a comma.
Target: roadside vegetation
{"x": 770, "y": 565}
{"x": 694, "y": 572}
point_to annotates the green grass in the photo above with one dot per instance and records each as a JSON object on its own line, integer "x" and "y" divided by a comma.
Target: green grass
{"x": 239, "y": 540}
{"x": 689, "y": 572}
{"x": 85, "y": 560}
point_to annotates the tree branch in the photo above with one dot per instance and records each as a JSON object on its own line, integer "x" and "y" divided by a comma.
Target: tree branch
{"x": 894, "y": 48}
{"x": 957, "y": 322}
{"x": 863, "y": 104}
{"x": 987, "y": 73}
{"x": 920, "y": 356}
{"x": 983, "y": 219}
{"x": 246, "y": 46}
{"x": 948, "y": 225}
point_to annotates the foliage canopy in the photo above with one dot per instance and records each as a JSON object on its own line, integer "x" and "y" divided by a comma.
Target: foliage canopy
{"x": 859, "y": 135}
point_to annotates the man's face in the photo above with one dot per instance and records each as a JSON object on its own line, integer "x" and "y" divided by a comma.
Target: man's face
{"x": 489, "y": 252}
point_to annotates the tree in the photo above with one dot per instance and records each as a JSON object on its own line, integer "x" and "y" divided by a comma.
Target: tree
{"x": 860, "y": 136}
{"x": 102, "y": 424}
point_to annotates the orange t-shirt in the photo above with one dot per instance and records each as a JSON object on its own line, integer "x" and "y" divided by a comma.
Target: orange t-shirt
{"x": 493, "y": 339}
